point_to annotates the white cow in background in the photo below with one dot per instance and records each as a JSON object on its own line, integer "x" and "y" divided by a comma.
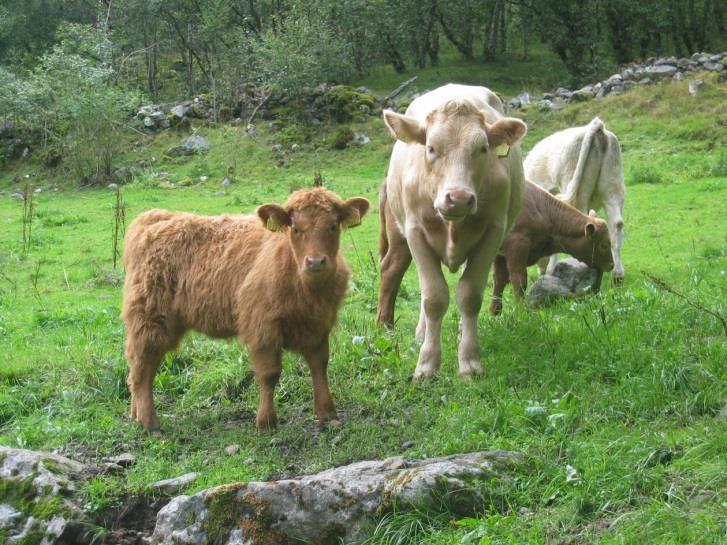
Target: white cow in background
{"x": 582, "y": 165}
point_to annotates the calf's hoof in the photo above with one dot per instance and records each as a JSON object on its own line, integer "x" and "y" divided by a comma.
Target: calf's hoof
{"x": 470, "y": 368}
{"x": 266, "y": 422}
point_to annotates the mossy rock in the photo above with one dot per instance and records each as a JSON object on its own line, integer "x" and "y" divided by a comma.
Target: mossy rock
{"x": 345, "y": 103}
{"x": 341, "y": 138}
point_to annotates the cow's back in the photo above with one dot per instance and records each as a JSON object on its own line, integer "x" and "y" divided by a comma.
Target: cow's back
{"x": 190, "y": 266}
{"x": 552, "y": 161}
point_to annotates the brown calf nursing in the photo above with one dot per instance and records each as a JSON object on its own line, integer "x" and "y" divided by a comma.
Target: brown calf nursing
{"x": 274, "y": 284}
{"x": 545, "y": 226}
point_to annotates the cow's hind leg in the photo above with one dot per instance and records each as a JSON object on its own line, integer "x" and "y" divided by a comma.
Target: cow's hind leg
{"x": 614, "y": 218}
{"x": 146, "y": 345}
{"x": 393, "y": 266}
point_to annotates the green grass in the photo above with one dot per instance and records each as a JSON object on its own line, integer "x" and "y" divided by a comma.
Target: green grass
{"x": 625, "y": 387}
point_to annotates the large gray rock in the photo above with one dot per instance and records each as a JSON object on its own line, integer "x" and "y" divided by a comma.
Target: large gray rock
{"x": 37, "y": 498}
{"x": 190, "y": 146}
{"x": 336, "y": 504}
{"x": 577, "y": 276}
{"x": 661, "y": 70}
{"x": 545, "y": 291}
{"x": 569, "y": 278}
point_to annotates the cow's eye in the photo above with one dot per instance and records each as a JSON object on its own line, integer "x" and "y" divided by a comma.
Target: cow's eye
{"x": 430, "y": 150}
{"x": 485, "y": 148}
{"x": 296, "y": 231}
{"x": 334, "y": 227}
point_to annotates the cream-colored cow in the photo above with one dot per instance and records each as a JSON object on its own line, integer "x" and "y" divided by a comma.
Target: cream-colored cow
{"x": 582, "y": 165}
{"x": 454, "y": 188}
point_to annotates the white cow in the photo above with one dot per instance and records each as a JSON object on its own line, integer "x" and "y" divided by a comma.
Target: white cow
{"x": 453, "y": 190}
{"x": 583, "y": 166}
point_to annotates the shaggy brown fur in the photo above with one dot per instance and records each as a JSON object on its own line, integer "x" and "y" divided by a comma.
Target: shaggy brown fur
{"x": 275, "y": 285}
{"x": 545, "y": 226}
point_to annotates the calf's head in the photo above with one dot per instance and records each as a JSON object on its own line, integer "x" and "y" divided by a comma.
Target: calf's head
{"x": 460, "y": 151}
{"x": 313, "y": 220}
{"x": 595, "y": 246}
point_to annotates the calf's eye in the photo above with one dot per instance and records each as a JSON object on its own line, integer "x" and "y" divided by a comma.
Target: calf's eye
{"x": 334, "y": 227}
{"x": 296, "y": 231}
{"x": 430, "y": 150}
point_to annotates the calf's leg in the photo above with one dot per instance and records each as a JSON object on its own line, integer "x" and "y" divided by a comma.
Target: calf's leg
{"x": 267, "y": 364}
{"x": 146, "y": 345}
{"x": 322, "y": 401}
{"x": 500, "y": 280}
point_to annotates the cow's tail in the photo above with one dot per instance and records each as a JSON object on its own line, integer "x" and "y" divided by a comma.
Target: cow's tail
{"x": 383, "y": 235}
{"x": 571, "y": 189}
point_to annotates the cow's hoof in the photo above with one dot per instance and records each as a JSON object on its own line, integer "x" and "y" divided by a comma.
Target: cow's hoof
{"x": 423, "y": 373}
{"x": 470, "y": 368}
{"x": 617, "y": 280}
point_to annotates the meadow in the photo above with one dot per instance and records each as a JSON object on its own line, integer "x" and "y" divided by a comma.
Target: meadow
{"x": 618, "y": 401}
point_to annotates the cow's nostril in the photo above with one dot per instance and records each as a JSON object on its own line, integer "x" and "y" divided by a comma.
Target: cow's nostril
{"x": 315, "y": 262}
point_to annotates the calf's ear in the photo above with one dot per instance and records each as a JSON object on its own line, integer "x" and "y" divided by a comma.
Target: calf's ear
{"x": 590, "y": 230}
{"x": 407, "y": 129}
{"x": 592, "y": 213}
{"x": 274, "y": 217}
{"x": 353, "y": 210}
{"x": 508, "y": 131}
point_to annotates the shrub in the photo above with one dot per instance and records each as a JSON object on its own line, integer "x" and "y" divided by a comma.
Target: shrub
{"x": 644, "y": 174}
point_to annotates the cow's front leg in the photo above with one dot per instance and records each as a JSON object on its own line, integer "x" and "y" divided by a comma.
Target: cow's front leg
{"x": 614, "y": 218}
{"x": 435, "y": 299}
{"x": 323, "y": 402}
{"x": 268, "y": 364}
{"x": 469, "y": 299}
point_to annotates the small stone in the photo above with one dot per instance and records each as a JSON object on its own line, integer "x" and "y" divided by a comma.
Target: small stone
{"x": 278, "y": 148}
{"x": 679, "y": 76}
{"x": 360, "y": 139}
{"x": 172, "y": 486}
{"x": 17, "y": 196}
{"x": 125, "y": 459}
{"x": 232, "y": 449}
{"x": 226, "y": 182}
{"x": 110, "y": 467}
{"x": 113, "y": 187}
{"x": 406, "y": 445}
{"x": 695, "y": 86}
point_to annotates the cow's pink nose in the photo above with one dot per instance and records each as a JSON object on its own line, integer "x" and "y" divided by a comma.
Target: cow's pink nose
{"x": 315, "y": 262}
{"x": 459, "y": 202}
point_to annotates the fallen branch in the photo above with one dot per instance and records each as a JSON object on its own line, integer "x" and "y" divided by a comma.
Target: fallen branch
{"x": 398, "y": 90}
{"x": 661, "y": 284}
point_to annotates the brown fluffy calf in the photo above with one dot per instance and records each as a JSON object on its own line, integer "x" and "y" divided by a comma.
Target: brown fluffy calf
{"x": 275, "y": 284}
{"x": 545, "y": 226}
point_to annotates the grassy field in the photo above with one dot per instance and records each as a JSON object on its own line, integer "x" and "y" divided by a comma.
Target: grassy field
{"x": 617, "y": 400}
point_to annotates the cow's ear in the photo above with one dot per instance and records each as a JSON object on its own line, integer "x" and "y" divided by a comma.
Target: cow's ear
{"x": 590, "y": 230}
{"x": 407, "y": 129}
{"x": 274, "y": 217}
{"x": 353, "y": 211}
{"x": 508, "y": 131}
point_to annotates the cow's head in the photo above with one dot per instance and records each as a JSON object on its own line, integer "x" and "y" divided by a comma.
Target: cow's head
{"x": 313, "y": 220}
{"x": 460, "y": 151}
{"x": 595, "y": 247}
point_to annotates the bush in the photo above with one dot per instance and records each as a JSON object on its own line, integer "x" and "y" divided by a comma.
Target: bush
{"x": 644, "y": 174}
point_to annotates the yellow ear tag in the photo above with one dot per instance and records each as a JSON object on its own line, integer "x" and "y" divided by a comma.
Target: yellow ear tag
{"x": 503, "y": 150}
{"x": 272, "y": 224}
